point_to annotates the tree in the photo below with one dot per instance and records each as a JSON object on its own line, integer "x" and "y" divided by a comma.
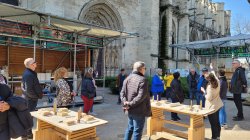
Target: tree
{"x": 241, "y": 25}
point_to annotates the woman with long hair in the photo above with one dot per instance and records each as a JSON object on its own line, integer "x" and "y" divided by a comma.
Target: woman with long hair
{"x": 213, "y": 101}
{"x": 88, "y": 90}
{"x": 64, "y": 95}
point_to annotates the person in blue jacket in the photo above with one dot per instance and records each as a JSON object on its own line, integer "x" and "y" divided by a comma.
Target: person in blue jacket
{"x": 202, "y": 82}
{"x": 157, "y": 86}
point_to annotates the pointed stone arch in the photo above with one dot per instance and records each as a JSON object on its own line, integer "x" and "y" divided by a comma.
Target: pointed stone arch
{"x": 174, "y": 38}
{"x": 103, "y": 13}
{"x": 193, "y": 35}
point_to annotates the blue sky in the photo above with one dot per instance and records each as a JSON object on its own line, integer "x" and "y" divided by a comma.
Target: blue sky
{"x": 240, "y": 9}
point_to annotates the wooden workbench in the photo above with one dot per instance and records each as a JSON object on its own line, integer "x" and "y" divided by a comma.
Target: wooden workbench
{"x": 53, "y": 128}
{"x": 196, "y": 127}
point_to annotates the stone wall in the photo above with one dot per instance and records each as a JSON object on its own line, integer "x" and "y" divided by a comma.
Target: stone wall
{"x": 136, "y": 16}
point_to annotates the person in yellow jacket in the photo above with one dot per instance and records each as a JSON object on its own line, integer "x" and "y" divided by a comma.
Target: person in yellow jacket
{"x": 168, "y": 78}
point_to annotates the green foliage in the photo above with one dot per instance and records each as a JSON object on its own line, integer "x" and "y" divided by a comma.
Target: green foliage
{"x": 109, "y": 82}
{"x": 184, "y": 86}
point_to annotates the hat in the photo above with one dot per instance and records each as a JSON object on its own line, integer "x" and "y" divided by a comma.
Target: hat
{"x": 204, "y": 70}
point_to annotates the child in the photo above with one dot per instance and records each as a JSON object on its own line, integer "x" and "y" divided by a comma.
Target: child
{"x": 223, "y": 96}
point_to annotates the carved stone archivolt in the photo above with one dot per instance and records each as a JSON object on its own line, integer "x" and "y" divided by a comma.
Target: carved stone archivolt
{"x": 102, "y": 13}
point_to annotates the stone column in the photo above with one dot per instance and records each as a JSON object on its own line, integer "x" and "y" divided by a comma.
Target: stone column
{"x": 149, "y": 32}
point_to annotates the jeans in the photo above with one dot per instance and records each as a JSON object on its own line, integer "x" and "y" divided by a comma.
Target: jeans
{"x": 200, "y": 97}
{"x": 192, "y": 93}
{"x": 215, "y": 124}
{"x": 238, "y": 103}
{"x": 174, "y": 115}
{"x": 135, "y": 127}
{"x": 168, "y": 91}
{"x": 223, "y": 114}
{"x": 32, "y": 104}
{"x": 155, "y": 96}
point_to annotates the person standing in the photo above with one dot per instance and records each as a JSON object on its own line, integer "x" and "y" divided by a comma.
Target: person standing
{"x": 192, "y": 80}
{"x": 4, "y": 107}
{"x": 238, "y": 82}
{"x": 136, "y": 101}
{"x": 202, "y": 83}
{"x": 91, "y": 111}
{"x": 223, "y": 96}
{"x": 88, "y": 90}
{"x": 31, "y": 87}
{"x": 64, "y": 94}
{"x": 213, "y": 101}
{"x": 176, "y": 94}
{"x": 119, "y": 83}
{"x": 3, "y": 79}
{"x": 157, "y": 86}
{"x": 168, "y": 78}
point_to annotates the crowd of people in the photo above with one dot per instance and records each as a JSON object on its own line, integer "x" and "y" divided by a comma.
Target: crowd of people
{"x": 209, "y": 90}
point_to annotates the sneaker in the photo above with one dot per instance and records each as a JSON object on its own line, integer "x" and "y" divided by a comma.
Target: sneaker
{"x": 24, "y": 138}
{"x": 238, "y": 119}
{"x": 225, "y": 126}
{"x": 174, "y": 119}
{"x": 92, "y": 113}
{"x": 178, "y": 118}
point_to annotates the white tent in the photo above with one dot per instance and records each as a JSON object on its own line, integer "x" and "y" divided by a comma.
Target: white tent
{"x": 231, "y": 41}
{"x": 225, "y": 41}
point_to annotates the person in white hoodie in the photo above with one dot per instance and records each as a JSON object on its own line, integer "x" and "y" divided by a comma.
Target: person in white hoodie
{"x": 213, "y": 101}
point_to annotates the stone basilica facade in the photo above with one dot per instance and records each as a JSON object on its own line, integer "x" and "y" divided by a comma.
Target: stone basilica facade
{"x": 185, "y": 20}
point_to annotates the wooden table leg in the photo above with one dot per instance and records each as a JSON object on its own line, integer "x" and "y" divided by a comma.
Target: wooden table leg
{"x": 42, "y": 131}
{"x": 156, "y": 122}
{"x": 196, "y": 131}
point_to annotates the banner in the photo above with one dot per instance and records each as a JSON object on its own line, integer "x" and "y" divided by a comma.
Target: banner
{"x": 15, "y": 28}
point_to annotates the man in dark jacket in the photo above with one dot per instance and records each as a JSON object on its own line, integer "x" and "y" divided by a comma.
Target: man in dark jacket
{"x": 15, "y": 118}
{"x": 4, "y": 107}
{"x": 238, "y": 82}
{"x": 136, "y": 101}
{"x": 192, "y": 80}
{"x": 119, "y": 83}
{"x": 176, "y": 94}
{"x": 31, "y": 86}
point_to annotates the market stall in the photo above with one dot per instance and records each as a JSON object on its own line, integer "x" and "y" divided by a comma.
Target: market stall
{"x": 71, "y": 40}
{"x": 196, "y": 127}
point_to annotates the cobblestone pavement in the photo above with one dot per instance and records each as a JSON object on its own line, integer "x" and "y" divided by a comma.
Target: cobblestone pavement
{"x": 117, "y": 121}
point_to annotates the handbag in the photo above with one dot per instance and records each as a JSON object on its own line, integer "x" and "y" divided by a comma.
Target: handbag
{"x": 244, "y": 89}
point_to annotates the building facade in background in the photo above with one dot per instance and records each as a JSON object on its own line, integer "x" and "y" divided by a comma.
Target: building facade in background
{"x": 184, "y": 21}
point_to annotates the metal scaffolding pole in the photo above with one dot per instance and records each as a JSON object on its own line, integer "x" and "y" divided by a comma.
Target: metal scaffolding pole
{"x": 75, "y": 76}
{"x": 34, "y": 51}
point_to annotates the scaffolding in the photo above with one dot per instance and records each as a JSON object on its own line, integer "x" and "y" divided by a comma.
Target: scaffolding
{"x": 227, "y": 47}
{"x": 36, "y": 26}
